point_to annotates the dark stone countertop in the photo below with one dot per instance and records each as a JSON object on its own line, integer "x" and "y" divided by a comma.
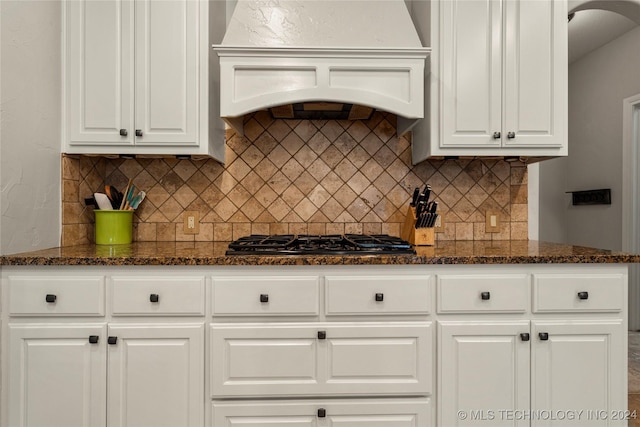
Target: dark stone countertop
{"x": 212, "y": 253}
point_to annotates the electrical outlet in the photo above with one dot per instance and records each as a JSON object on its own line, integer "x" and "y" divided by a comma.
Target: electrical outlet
{"x": 191, "y": 222}
{"x": 492, "y": 224}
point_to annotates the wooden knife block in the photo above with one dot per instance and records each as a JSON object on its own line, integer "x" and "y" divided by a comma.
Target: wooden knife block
{"x": 416, "y": 236}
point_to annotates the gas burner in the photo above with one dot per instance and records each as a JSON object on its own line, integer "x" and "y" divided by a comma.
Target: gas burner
{"x": 335, "y": 244}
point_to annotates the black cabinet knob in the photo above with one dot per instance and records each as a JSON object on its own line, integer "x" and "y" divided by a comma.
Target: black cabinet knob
{"x": 583, "y": 295}
{"x": 112, "y": 340}
{"x": 322, "y": 335}
{"x": 496, "y": 135}
{"x": 322, "y": 413}
{"x": 93, "y": 339}
{"x": 485, "y": 295}
{"x": 524, "y": 336}
{"x": 511, "y": 135}
{"x": 154, "y": 297}
{"x": 379, "y": 297}
{"x": 543, "y": 336}
{"x": 138, "y": 132}
{"x": 123, "y": 132}
{"x": 50, "y": 298}
{"x": 264, "y": 297}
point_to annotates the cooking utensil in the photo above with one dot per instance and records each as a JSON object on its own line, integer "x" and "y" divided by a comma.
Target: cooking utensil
{"x": 103, "y": 201}
{"x": 126, "y": 192}
{"x": 137, "y": 200}
{"x": 114, "y": 195}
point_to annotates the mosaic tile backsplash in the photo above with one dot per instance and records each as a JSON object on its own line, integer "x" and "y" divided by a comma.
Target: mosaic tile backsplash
{"x": 293, "y": 176}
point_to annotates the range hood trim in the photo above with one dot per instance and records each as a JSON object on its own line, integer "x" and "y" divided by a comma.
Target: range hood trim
{"x": 321, "y": 52}
{"x": 257, "y": 78}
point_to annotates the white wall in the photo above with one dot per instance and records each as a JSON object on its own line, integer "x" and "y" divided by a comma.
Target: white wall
{"x": 30, "y": 99}
{"x": 597, "y": 85}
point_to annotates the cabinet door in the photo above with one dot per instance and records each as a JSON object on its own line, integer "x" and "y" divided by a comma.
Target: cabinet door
{"x": 99, "y": 71}
{"x": 484, "y": 369}
{"x": 535, "y": 100}
{"x": 167, "y": 70}
{"x": 471, "y": 70}
{"x": 579, "y": 366}
{"x": 279, "y": 360}
{"x": 156, "y": 376}
{"x": 57, "y": 377}
{"x": 343, "y": 413}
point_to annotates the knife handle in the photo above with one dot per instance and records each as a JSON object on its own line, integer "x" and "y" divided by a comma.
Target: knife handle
{"x": 414, "y": 198}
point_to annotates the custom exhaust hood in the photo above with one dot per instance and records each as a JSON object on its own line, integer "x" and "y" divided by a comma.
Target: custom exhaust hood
{"x": 321, "y": 59}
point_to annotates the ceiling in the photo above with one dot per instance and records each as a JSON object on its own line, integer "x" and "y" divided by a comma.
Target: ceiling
{"x": 593, "y": 28}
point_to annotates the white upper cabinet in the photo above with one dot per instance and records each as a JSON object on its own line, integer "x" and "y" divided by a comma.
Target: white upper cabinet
{"x": 498, "y": 79}
{"x": 137, "y": 79}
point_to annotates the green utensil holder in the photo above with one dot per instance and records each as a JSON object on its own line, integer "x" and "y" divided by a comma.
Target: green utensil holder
{"x": 113, "y": 227}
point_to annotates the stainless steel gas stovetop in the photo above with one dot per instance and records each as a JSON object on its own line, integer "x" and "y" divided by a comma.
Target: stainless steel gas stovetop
{"x": 338, "y": 244}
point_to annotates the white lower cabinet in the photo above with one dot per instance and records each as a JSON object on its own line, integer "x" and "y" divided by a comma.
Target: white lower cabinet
{"x": 484, "y": 368}
{"x": 547, "y": 374}
{"x": 60, "y": 374}
{"x": 321, "y": 359}
{"x": 330, "y": 413}
{"x": 579, "y": 366}
{"x": 57, "y": 376}
{"x": 66, "y": 369}
{"x": 155, "y": 375}
{"x": 315, "y": 346}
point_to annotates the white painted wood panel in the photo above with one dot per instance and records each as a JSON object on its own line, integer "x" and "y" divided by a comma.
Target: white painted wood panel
{"x": 581, "y": 366}
{"x": 156, "y": 375}
{"x": 166, "y": 58}
{"x": 56, "y": 377}
{"x": 285, "y": 295}
{"x": 74, "y": 295}
{"x": 463, "y": 293}
{"x": 99, "y": 71}
{"x": 471, "y": 64}
{"x": 536, "y": 71}
{"x": 342, "y": 413}
{"x": 293, "y": 359}
{"x": 176, "y": 295}
{"x": 399, "y": 294}
{"x": 483, "y": 366}
{"x": 560, "y": 293}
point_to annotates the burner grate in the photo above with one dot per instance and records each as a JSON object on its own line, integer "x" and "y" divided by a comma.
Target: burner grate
{"x": 337, "y": 244}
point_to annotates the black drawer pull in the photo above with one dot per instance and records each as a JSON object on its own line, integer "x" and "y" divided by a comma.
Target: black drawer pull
{"x": 485, "y": 296}
{"x": 322, "y": 335}
{"x": 93, "y": 339}
{"x": 379, "y": 297}
{"x": 264, "y": 297}
{"x": 154, "y": 297}
{"x": 583, "y": 295}
{"x": 524, "y": 336}
{"x": 112, "y": 340}
{"x": 543, "y": 336}
{"x": 322, "y": 413}
{"x": 50, "y": 298}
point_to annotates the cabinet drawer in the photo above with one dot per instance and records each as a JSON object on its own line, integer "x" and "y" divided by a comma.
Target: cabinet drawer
{"x": 56, "y": 296}
{"x": 157, "y": 296}
{"x": 344, "y": 413}
{"x": 265, "y": 296}
{"x": 322, "y": 359}
{"x": 482, "y": 293}
{"x": 578, "y": 292}
{"x": 377, "y": 295}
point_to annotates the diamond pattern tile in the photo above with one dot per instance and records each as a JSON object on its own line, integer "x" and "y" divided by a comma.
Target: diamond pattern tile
{"x": 319, "y": 176}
